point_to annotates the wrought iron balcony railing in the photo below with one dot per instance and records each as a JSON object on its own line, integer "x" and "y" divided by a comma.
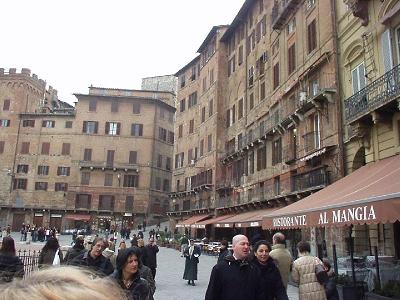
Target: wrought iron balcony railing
{"x": 310, "y": 180}
{"x": 281, "y": 10}
{"x": 378, "y": 93}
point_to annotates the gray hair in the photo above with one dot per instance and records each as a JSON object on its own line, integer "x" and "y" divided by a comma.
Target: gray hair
{"x": 236, "y": 239}
{"x": 279, "y": 238}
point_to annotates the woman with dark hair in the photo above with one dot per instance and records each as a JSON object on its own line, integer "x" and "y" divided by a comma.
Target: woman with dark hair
{"x": 49, "y": 251}
{"x": 127, "y": 274}
{"x": 10, "y": 265}
{"x": 303, "y": 273}
{"x": 330, "y": 285}
{"x": 268, "y": 272}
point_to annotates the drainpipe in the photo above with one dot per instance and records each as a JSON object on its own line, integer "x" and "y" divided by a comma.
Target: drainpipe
{"x": 339, "y": 105}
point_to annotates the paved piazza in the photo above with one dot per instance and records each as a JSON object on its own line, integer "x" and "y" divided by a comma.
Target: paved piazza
{"x": 170, "y": 285}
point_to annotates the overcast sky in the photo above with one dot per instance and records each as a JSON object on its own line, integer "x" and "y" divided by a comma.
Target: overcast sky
{"x": 72, "y": 44}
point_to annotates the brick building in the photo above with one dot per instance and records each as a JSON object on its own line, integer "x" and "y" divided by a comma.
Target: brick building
{"x": 105, "y": 162}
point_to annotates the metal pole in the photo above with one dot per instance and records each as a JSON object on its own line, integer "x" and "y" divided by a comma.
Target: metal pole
{"x": 378, "y": 276}
{"x": 335, "y": 265}
{"x": 352, "y": 255}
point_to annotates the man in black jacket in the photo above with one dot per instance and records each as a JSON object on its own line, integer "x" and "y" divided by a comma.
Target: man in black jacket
{"x": 234, "y": 277}
{"x": 151, "y": 256}
{"x": 94, "y": 259}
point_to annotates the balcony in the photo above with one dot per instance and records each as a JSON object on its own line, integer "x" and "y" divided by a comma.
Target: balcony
{"x": 312, "y": 141}
{"x": 281, "y": 11}
{"x": 289, "y": 153}
{"x": 315, "y": 179}
{"x": 102, "y": 165}
{"x": 377, "y": 95}
{"x": 319, "y": 90}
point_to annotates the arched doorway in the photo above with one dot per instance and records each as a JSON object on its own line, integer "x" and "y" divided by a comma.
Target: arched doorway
{"x": 359, "y": 159}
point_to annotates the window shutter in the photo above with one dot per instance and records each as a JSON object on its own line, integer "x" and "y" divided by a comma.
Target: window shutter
{"x": 43, "y": 123}
{"x": 387, "y": 50}
{"x": 107, "y": 127}
{"x": 118, "y": 128}
{"x": 84, "y": 128}
{"x": 6, "y": 105}
{"x": 96, "y": 127}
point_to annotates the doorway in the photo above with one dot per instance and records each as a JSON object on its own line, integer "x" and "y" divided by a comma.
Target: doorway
{"x": 18, "y": 220}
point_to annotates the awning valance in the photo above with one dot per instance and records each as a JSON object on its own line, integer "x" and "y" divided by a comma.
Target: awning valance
{"x": 202, "y": 224}
{"x": 247, "y": 219}
{"x": 77, "y": 217}
{"x": 191, "y": 220}
{"x": 370, "y": 195}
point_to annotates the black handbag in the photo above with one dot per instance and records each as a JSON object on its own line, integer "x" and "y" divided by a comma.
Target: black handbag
{"x": 320, "y": 272}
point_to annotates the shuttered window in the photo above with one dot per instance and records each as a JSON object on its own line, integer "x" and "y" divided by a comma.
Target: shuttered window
{"x": 6, "y": 105}
{"x": 66, "y": 149}
{"x": 87, "y": 154}
{"x": 45, "y": 148}
{"x": 276, "y": 75}
{"x": 312, "y": 36}
{"x": 25, "y": 148}
{"x": 358, "y": 78}
{"x": 90, "y": 127}
{"x": 292, "y": 59}
{"x": 387, "y": 50}
{"x": 132, "y": 157}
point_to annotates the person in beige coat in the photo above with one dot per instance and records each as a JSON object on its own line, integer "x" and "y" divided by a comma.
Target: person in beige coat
{"x": 281, "y": 256}
{"x": 303, "y": 272}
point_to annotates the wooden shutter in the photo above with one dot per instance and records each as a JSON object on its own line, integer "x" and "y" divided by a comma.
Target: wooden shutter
{"x": 118, "y": 128}
{"x": 45, "y": 148}
{"x": 2, "y": 146}
{"x": 140, "y": 129}
{"x": 84, "y": 127}
{"x": 6, "y": 105}
{"x": 96, "y": 127}
{"x": 106, "y": 131}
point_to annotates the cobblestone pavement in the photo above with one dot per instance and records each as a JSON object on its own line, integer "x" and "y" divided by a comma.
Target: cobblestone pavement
{"x": 170, "y": 285}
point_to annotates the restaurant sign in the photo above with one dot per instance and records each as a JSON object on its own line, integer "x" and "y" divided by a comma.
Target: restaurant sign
{"x": 343, "y": 215}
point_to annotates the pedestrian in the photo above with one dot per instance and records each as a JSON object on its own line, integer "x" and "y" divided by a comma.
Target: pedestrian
{"x": 330, "y": 285}
{"x": 62, "y": 283}
{"x": 191, "y": 254}
{"x": 223, "y": 251}
{"x": 122, "y": 245}
{"x": 143, "y": 252}
{"x": 93, "y": 259}
{"x": 77, "y": 249}
{"x": 281, "y": 256}
{"x": 151, "y": 256}
{"x": 10, "y": 265}
{"x": 234, "y": 277}
{"x": 47, "y": 256}
{"x": 303, "y": 273}
{"x": 145, "y": 273}
{"x": 134, "y": 241}
{"x": 127, "y": 274}
{"x": 268, "y": 272}
{"x": 184, "y": 243}
{"x": 111, "y": 244}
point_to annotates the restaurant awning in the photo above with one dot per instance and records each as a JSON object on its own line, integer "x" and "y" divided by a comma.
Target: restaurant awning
{"x": 191, "y": 220}
{"x": 369, "y": 195}
{"x": 77, "y": 217}
{"x": 247, "y": 219}
{"x": 202, "y": 224}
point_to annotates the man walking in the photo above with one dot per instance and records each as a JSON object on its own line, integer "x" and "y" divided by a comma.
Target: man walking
{"x": 234, "y": 277}
{"x": 281, "y": 256}
{"x": 151, "y": 256}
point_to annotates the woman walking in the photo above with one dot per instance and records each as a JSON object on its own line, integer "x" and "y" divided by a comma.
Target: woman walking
{"x": 127, "y": 274}
{"x": 10, "y": 265}
{"x": 271, "y": 281}
{"x": 48, "y": 253}
{"x": 303, "y": 273}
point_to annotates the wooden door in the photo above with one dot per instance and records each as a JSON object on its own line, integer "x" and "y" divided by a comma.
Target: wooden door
{"x": 38, "y": 221}
{"x": 18, "y": 220}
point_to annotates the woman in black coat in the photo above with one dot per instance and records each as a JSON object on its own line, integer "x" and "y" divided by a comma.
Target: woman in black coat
{"x": 10, "y": 265}
{"x": 268, "y": 272}
{"x": 191, "y": 254}
{"x": 330, "y": 285}
{"x": 127, "y": 274}
{"x": 49, "y": 251}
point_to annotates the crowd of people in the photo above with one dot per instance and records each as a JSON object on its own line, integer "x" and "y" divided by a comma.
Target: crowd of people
{"x": 257, "y": 271}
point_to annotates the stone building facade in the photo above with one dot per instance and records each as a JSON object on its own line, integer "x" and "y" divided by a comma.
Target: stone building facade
{"x": 369, "y": 47}
{"x": 105, "y": 162}
{"x": 279, "y": 122}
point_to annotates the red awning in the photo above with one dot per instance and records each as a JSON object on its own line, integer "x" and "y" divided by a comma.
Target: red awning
{"x": 247, "y": 219}
{"x": 203, "y": 224}
{"x": 191, "y": 220}
{"x": 370, "y": 195}
{"x": 77, "y": 217}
